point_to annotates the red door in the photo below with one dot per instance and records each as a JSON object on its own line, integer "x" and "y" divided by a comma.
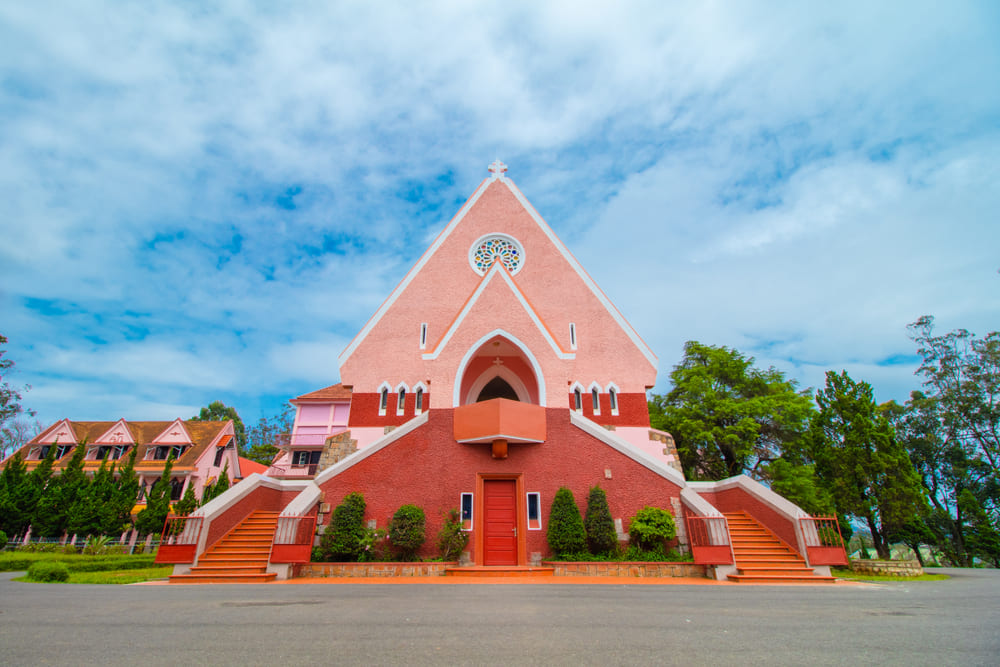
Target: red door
{"x": 500, "y": 508}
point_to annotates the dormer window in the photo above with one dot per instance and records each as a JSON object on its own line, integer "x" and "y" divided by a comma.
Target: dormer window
{"x": 63, "y": 450}
{"x": 163, "y": 451}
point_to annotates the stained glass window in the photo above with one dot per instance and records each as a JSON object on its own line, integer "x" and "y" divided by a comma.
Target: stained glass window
{"x": 492, "y": 248}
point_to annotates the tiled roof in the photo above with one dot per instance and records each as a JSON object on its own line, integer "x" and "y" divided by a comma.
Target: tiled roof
{"x": 202, "y": 433}
{"x": 248, "y": 467}
{"x": 333, "y": 392}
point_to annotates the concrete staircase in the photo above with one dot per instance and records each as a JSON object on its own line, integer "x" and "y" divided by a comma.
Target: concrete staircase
{"x": 238, "y": 558}
{"x": 762, "y": 557}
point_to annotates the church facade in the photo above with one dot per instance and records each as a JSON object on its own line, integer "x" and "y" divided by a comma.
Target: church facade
{"x": 496, "y": 372}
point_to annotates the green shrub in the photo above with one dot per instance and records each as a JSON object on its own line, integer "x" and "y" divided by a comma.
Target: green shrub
{"x": 341, "y": 542}
{"x": 95, "y": 545}
{"x": 374, "y": 547}
{"x": 69, "y": 549}
{"x": 565, "y": 534}
{"x": 3, "y": 540}
{"x": 601, "y": 536}
{"x": 652, "y": 528}
{"x": 452, "y": 540}
{"x": 48, "y": 571}
{"x": 406, "y": 531}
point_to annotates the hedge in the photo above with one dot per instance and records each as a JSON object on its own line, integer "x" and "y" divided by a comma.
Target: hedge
{"x": 19, "y": 562}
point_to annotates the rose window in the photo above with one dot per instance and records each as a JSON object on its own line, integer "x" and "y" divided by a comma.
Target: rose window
{"x": 495, "y": 247}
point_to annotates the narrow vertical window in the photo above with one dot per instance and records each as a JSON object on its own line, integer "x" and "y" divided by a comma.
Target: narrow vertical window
{"x": 572, "y": 336}
{"x": 466, "y": 511}
{"x": 423, "y": 335}
{"x": 534, "y": 511}
{"x": 613, "y": 399}
{"x": 596, "y": 401}
{"x": 418, "y": 400}
{"x": 401, "y": 403}
{"x": 383, "y": 401}
{"x": 577, "y": 399}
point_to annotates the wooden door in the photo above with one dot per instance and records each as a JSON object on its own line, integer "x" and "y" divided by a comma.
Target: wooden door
{"x": 500, "y": 522}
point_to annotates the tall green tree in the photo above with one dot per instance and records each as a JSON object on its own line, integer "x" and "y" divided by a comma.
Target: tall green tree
{"x": 15, "y": 515}
{"x": 597, "y": 521}
{"x": 566, "y": 534}
{"x": 89, "y": 514}
{"x": 53, "y": 513}
{"x": 860, "y": 461}
{"x": 216, "y": 488}
{"x": 124, "y": 496}
{"x": 150, "y": 520}
{"x": 264, "y": 437}
{"x": 727, "y": 416}
{"x": 218, "y": 411}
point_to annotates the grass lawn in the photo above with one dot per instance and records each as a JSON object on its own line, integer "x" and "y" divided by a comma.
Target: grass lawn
{"x": 843, "y": 573}
{"x": 114, "y": 576}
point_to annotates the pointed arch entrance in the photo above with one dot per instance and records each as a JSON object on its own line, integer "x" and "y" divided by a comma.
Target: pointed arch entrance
{"x": 499, "y": 365}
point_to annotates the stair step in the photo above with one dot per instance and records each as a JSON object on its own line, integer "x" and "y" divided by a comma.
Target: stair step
{"x": 761, "y": 557}
{"x": 781, "y": 579}
{"x": 223, "y": 578}
{"x": 499, "y": 571}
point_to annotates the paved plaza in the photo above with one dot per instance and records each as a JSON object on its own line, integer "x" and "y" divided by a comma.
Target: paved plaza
{"x": 953, "y": 622}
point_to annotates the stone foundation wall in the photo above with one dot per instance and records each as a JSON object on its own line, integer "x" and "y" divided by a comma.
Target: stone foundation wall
{"x": 625, "y": 569}
{"x": 892, "y": 568}
{"x": 372, "y": 569}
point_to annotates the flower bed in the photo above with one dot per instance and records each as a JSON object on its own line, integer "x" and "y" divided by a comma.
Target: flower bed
{"x": 625, "y": 569}
{"x": 435, "y": 569}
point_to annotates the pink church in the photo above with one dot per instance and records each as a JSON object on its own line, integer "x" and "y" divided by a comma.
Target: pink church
{"x": 496, "y": 372}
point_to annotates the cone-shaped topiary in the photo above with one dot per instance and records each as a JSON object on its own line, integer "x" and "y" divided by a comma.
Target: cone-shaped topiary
{"x": 341, "y": 542}
{"x": 601, "y": 536}
{"x": 565, "y": 534}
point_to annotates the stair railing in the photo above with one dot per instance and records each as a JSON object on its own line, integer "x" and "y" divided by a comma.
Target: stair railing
{"x": 293, "y": 539}
{"x": 709, "y": 540}
{"x": 824, "y": 542}
{"x": 179, "y": 539}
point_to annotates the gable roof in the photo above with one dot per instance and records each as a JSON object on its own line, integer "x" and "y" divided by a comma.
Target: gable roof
{"x": 499, "y": 178}
{"x": 332, "y": 393}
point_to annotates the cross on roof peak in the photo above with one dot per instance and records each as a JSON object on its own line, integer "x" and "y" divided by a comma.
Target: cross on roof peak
{"x": 497, "y": 168}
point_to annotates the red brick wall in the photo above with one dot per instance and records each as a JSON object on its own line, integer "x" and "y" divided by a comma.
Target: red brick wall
{"x": 633, "y": 410}
{"x": 364, "y": 409}
{"x": 428, "y": 468}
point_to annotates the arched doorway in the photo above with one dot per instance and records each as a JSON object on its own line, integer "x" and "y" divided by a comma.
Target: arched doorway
{"x": 499, "y": 366}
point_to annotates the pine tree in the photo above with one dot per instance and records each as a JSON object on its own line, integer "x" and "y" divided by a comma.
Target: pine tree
{"x": 217, "y": 488}
{"x": 151, "y": 519}
{"x": 187, "y": 504}
{"x": 601, "y": 535}
{"x": 123, "y": 497}
{"x": 13, "y": 515}
{"x": 566, "y": 534}
{"x": 87, "y": 514}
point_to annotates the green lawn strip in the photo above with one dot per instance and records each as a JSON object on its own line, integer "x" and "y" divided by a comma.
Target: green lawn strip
{"x": 15, "y": 561}
{"x": 857, "y": 576}
{"x": 133, "y": 576}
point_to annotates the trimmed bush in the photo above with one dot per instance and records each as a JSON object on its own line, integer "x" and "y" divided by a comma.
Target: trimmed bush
{"x": 601, "y": 536}
{"x": 565, "y": 534}
{"x": 452, "y": 539}
{"x": 652, "y": 528}
{"x": 341, "y": 542}
{"x": 48, "y": 571}
{"x": 406, "y": 531}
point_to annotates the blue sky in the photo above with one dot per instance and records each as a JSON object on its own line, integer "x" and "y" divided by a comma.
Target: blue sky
{"x": 201, "y": 204}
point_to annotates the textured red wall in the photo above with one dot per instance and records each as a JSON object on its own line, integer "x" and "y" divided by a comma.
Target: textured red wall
{"x": 633, "y": 410}
{"x": 428, "y": 468}
{"x": 738, "y": 500}
{"x": 364, "y": 409}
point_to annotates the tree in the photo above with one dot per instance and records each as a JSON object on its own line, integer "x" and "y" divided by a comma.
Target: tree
{"x": 10, "y": 397}
{"x": 861, "y": 462}
{"x": 187, "y": 504}
{"x": 217, "y": 411}
{"x": 151, "y": 519}
{"x": 217, "y": 488}
{"x": 341, "y": 541}
{"x": 601, "y": 535}
{"x": 728, "y": 417}
{"x": 90, "y": 514}
{"x": 51, "y": 517}
{"x": 652, "y": 528}
{"x": 14, "y": 514}
{"x": 262, "y": 438}
{"x": 566, "y": 534}
{"x": 16, "y": 433}
{"x": 407, "y": 531}
{"x": 124, "y": 496}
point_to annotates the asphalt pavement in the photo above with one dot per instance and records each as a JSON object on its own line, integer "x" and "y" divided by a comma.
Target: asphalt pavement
{"x": 953, "y": 622}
